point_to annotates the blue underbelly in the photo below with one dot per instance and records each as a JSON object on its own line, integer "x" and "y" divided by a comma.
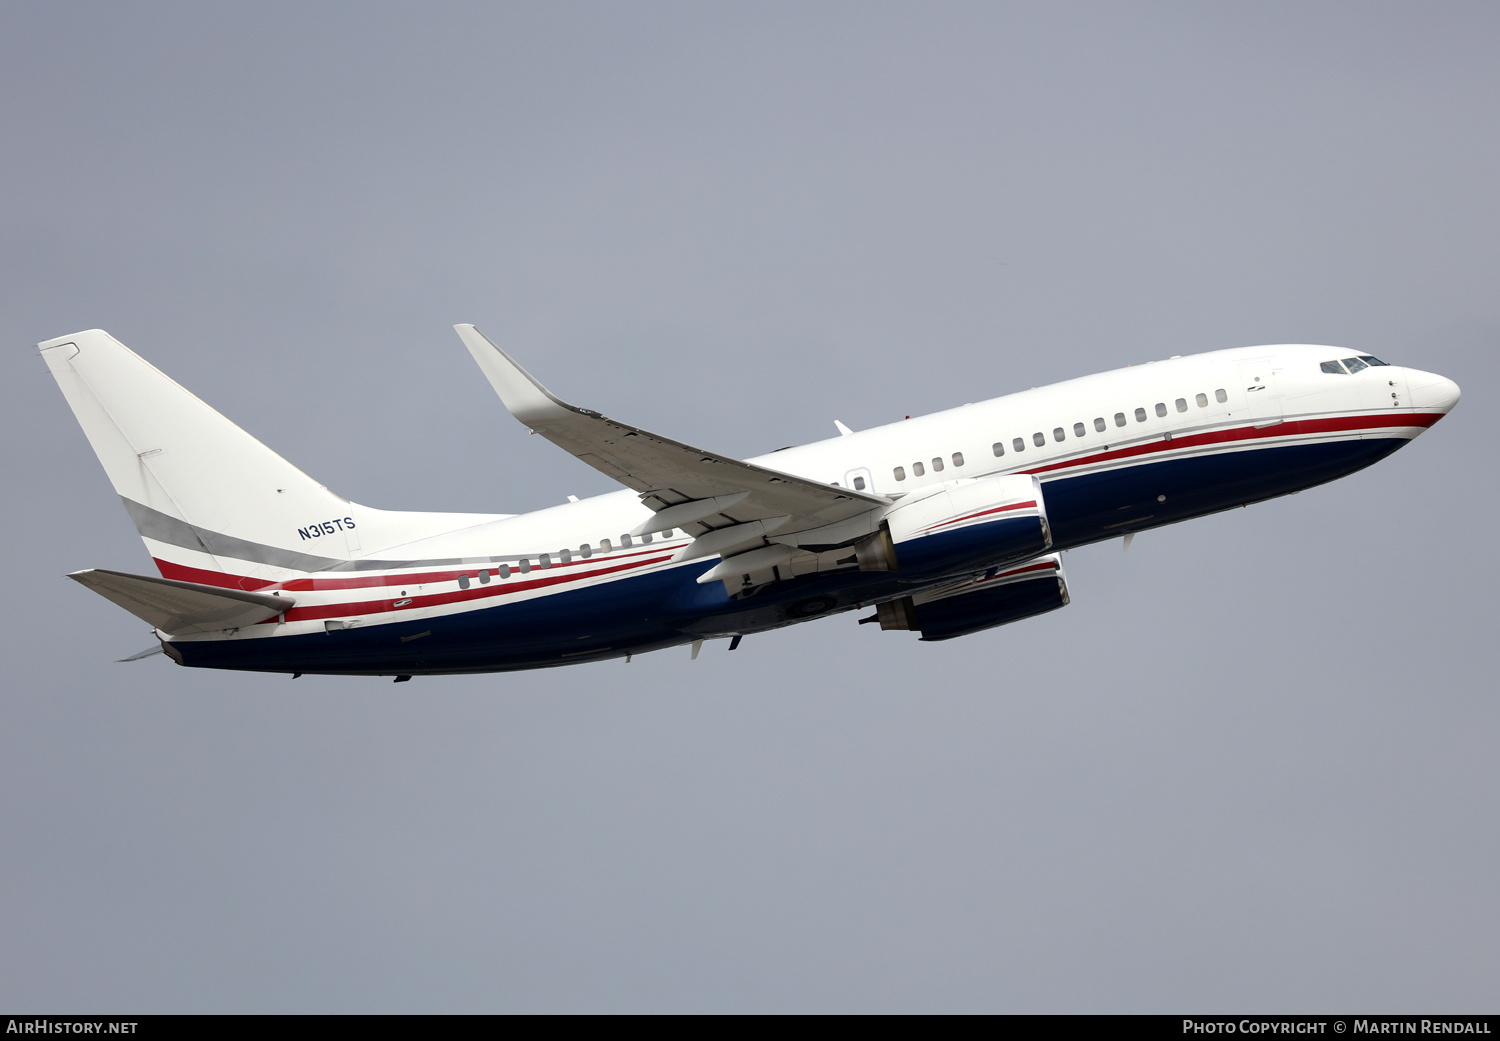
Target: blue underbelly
{"x": 1093, "y": 507}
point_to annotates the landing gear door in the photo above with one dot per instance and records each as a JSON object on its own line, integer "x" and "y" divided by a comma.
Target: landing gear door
{"x": 1262, "y": 399}
{"x": 860, "y": 480}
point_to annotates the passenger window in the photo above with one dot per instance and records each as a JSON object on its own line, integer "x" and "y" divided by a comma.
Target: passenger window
{"x": 625, "y": 542}
{"x": 1057, "y": 433}
{"x": 1354, "y": 365}
{"x": 585, "y": 551}
{"x": 900, "y": 473}
{"x": 1181, "y": 404}
{"x": 1140, "y": 415}
{"x": 1099, "y": 423}
{"x": 1332, "y": 367}
{"x": 917, "y": 470}
{"x": 998, "y": 448}
{"x": 668, "y": 533}
{"x": 1202, "y": 400}
{"x": 1161, "y": 409}
{"x": 564, "y": 555}
{"x": 604, "y": 546}
{"x": 1220, "y": 396}
{"x": 937, "y": 464}
{"x": 1119, "y": 419}
{"x": 646, "y": 538}
{"x": 1077, "y": 429}
{"x": 484, "y": 577}
{"x": 545, "y": 560}
{"x": 504, "y": 571}
{"x": 525, "y": 566}
{"x": 1019, "y": 444}
{"x": 859, "y": 484}
{"x": 958, "y": 459}
{"x": 1038, "y": 439}
{"x": 463, "y": 581}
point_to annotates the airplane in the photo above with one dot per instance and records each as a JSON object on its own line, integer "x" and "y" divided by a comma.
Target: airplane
{"x": 945, "y": 525}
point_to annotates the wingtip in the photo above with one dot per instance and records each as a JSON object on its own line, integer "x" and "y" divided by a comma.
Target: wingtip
{"x": 469, "y": 333}
{"x": 521, "y": 393}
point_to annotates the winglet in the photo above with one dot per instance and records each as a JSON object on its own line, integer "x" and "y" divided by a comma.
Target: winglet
{"x": 525, "y": 398}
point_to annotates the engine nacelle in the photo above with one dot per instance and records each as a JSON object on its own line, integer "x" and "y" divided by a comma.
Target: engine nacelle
{"x": 968, "y": 526}
{"x": 995, "y": 598}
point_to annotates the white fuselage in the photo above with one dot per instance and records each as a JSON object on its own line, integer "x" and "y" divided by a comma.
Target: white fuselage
{"x": 1179, "y": 409}
{"x": 948, "y": 523}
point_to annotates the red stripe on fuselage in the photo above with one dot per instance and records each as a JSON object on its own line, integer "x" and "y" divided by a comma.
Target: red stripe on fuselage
{"x": 183, "y": 573}
{"x": 1286, "y": 428}
{"x": 1333, "y": 424}
{"x": 497, "y": 588}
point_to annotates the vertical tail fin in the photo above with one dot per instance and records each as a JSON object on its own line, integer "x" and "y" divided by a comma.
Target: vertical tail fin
{"x": 212, "y": 503}
{"x": 200, "y": 490}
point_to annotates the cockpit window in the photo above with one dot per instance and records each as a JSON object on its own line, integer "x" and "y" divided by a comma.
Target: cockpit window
{"x": 1354, "y": 365}
{"x": 1370, "y": 359}
{"x": 1333, "y": 367}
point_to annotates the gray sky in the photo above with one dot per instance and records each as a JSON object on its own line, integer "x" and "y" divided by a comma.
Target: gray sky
{"x": 1251, "y": 767}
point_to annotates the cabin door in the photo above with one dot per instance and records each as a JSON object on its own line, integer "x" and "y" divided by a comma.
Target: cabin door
{"x": 1262, "y": 398}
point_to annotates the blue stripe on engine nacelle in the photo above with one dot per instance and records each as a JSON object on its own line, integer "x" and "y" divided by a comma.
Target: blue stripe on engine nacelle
{"x": 975, "y": 546}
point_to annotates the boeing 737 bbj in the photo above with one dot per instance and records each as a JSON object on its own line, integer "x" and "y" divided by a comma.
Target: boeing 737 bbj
{"x": 946, "y": 524}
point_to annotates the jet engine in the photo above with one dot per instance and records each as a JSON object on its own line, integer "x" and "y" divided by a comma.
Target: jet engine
{"x": 979, "y": 602}
{"x": 966, "y": 526}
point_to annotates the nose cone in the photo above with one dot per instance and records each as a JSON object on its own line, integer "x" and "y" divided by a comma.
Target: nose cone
{"x": 1429, "y": 390}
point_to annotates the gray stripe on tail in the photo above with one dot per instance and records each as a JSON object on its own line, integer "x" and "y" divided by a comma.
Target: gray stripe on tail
{"x": 153, "y": 524}
{"x": 158, "y": 526}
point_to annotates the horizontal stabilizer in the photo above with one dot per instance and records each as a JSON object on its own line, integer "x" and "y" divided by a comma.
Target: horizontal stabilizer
{"x": 138, "y": 655}
{"x": 182, "y": 607}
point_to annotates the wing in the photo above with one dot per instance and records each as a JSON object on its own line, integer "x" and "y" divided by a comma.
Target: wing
{"x": 687, "y": 487}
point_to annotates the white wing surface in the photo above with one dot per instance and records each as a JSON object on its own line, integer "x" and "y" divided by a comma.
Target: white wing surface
{"x": 689, "y": 488}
